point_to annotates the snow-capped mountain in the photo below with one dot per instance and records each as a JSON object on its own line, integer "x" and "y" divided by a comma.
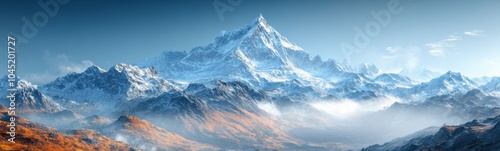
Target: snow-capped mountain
{"x": 448, "y": 83}
{"x": 121, "y": 82}
{"x": 492, "y": 86}
{"x": 198, "y": 99}
{"x": 255, "y": 54}
{"x": 258, "y": 55}
{"x": 391, "y": 80}
{"x": 355, "y": 86}
{"x": 370, "y": 70}
{"x": 29, "y": 99}
{"x": 421, "y": 75}
{"x": 482, "y": 80}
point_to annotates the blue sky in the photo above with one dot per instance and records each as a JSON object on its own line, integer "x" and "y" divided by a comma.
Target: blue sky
{"x": 442, "y": 35}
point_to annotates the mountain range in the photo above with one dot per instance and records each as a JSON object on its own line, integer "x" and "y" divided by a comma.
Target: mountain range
{"x": 251, "y": 88}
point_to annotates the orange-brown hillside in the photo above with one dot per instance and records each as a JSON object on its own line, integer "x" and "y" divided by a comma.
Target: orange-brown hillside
{"x": 146, "y": 135}
{"x": 36, "y": 137}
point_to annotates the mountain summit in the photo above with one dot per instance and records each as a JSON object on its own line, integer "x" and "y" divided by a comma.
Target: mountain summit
{"x": 255, "y": 54}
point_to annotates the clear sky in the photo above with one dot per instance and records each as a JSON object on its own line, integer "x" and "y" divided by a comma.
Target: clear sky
{"x": 441, "y": 35}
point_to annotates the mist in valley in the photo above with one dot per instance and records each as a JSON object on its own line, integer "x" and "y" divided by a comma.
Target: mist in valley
{"x": 353, "y": 123}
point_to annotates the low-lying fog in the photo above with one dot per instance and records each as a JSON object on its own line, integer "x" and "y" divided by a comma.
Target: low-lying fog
{"x": 356, "y": 123}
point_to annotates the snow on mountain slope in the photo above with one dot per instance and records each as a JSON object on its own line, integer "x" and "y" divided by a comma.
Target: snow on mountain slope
{"x": 392, "y": 80}
{"x": 492, "y": 86}
{"x": 451, "y": 81}
{"x": 259, "y": 56}
{"x": 448, "y": 83}
{"x": 29, "y": 99}
{"x": 121, "y": 82}
{"x": 368, "y": 70}
{"x": 254, "y": 54}
{"x": 482, "y": 80}
{"x": 198, "y": 100}
{"x": 421, "y": 75}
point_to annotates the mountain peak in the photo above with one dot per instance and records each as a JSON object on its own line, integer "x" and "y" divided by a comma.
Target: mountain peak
{"x": 450, "y": 82}
{"x": 128, "y": 119}
{"x": 420, "y": 74}
{"x": 454, "y": 75}
{"x": 493, "y": 85}
{"x": 120, "y": 67}
{"x": 260, "y": 20}
{"x": 260, "y": 16}
{"x": 133, "y": 71}
{"x": 94, "y": 69}
{"x": 369, "y": 70}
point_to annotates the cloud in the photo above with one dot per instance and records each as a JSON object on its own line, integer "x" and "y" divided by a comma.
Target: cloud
{"x": 436, "y": 52}
{"x": 393, "y": 52}
{"x": 393, "y": 49}
{"x": 453, "y": 38}
{"x": 74, "y": 67}
{"x": 347, "y": 108}
{"x": 269, "y": 108}
{"x": 59, "y": 65}
{"x": 398, "y": 57}
{"x": 473, "y": 33}
{"x": 439, "y": 48}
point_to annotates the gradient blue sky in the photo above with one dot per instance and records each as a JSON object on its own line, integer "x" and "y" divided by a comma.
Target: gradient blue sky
{"x": 439, "y": 35}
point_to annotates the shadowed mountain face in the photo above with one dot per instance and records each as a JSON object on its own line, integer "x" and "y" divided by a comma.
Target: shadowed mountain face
{"x": 483, "y": 134}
